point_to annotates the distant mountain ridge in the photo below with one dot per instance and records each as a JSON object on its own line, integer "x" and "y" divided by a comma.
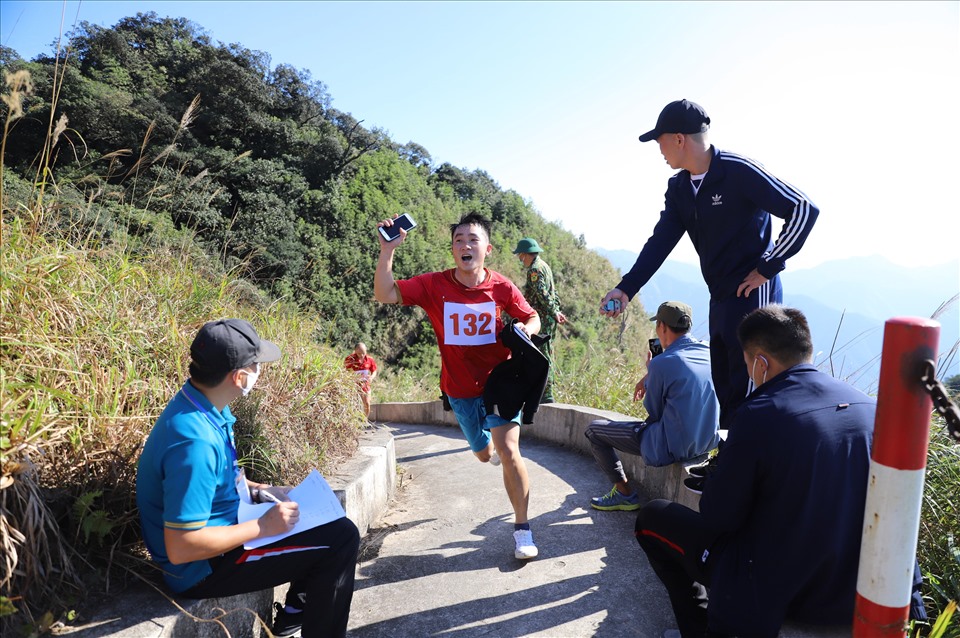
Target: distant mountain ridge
{"x": 846, "y": 302}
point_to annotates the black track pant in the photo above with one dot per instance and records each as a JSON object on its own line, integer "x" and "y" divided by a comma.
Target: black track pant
{"x": 674, "y": 541}
{"x": 319, "y": 563}
{"x": 730, "y": 378}
{"x": 677, "y": 544}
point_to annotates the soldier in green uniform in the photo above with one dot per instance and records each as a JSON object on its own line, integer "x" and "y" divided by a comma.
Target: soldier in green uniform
{"x": 542, "y": 295}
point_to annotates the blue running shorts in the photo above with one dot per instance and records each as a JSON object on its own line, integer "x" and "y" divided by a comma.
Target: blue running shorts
{"x": 475, "y": 422}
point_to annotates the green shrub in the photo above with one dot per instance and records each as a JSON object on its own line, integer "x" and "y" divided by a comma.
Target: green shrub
{"x": 938, "y": 547}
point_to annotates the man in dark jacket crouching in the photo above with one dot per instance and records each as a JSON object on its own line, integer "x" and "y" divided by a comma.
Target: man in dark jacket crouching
{"x": 781, "y": 518}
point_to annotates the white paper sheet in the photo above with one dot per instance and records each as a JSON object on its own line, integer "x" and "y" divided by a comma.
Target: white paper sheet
{"x": 318, "y": 506}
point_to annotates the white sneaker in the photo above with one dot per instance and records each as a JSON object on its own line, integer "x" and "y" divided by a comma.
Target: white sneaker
{"x": 494, "y": 459}
{"x": 525, "y": 548}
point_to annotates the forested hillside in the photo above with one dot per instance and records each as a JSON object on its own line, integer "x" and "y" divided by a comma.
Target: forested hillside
{"x": 155, "y": 122}
{"x": 156, "y": 179}
{"x": 153, "y": 180}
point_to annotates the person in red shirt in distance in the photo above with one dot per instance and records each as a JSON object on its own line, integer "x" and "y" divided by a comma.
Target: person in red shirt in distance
{"x": 366, "y": 368}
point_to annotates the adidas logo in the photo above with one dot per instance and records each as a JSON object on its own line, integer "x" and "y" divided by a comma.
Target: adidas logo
{"x": 716, "y": 200}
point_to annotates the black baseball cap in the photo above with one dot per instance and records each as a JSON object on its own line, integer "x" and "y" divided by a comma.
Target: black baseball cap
{"x": 230, "y": 344}
{"x": 682, "y": 116}
{"x": 674, "y": 314}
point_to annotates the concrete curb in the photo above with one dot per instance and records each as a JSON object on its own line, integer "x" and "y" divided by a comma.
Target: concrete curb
{"x": 364, "y": 484}
{"x": 564, "y": 425}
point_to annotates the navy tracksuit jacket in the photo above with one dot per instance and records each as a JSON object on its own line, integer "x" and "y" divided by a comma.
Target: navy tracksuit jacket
{"x": 729, "y": 222}
{"x": 788, "y": 496}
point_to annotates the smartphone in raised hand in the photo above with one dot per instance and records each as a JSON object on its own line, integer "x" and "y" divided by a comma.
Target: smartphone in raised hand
{"x": 404, "y": 221}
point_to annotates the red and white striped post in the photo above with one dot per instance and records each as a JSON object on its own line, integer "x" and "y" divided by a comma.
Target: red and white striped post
{"x": 891, "y": 521}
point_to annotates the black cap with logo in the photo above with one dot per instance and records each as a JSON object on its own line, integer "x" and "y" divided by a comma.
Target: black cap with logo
{"x": 682, "y": 116}
{"x": 230, "y": 344}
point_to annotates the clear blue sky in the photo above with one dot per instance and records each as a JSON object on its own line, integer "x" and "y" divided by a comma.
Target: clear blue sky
{"x": 854, "y": 103}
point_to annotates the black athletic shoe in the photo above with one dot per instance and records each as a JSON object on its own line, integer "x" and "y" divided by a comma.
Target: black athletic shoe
{"x": 286, "y": 625}
{"x": 694, "y": 484}
{"x": 703, "y": 469}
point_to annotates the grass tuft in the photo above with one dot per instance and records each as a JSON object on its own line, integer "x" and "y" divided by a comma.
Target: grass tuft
{"x": 94, "y": 340}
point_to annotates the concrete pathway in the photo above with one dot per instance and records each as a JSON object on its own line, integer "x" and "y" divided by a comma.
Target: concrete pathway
{"x": 440, "y": 562}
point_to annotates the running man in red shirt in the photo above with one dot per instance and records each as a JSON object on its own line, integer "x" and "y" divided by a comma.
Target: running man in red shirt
{"x": 366, "y": 368}
{"x": 465, "y": 305}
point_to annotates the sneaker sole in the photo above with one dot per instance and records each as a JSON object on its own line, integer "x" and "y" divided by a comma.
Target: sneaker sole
{"x": 520, "y": 556}
{"x": 610, "y": 508}
{"x": 699, "y": 471}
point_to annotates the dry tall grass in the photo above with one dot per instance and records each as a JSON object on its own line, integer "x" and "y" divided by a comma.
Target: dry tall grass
{"x": 94, "y": 343}
{"x": 94, "y": 339}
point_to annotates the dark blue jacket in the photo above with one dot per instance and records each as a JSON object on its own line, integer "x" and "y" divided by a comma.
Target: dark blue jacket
{"x": 729, "y": 222}
{"x": 788, "y": 497}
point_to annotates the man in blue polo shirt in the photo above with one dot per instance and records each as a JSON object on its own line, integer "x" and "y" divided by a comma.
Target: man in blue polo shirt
{"x": 189, "y": 487}
{"x": 682, "y": 410}
{"x": 725, "y": 203}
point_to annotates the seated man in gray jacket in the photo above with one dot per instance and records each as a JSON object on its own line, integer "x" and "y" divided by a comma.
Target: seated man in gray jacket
{"x": 682, "y": 409}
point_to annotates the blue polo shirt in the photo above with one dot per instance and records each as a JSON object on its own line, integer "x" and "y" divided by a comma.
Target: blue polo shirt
{"x": 186, "y": 479}
{"x": 682, "y": 409}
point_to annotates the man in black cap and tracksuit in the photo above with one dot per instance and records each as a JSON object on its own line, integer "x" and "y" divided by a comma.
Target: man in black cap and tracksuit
{"x": 724, "y": 202}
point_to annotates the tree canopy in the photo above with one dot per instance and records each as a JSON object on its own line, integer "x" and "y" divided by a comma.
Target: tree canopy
{"x": 270, "y": 178}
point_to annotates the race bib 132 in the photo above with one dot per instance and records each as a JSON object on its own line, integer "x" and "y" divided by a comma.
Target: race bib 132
{"x": 469, "y": 324}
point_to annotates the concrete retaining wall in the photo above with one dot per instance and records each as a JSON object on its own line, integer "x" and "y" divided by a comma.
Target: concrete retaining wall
{"x": 564, "y": 425}
{"x": 365, "y": 485}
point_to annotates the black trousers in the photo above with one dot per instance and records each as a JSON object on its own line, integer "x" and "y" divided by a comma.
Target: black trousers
{"x": 319, "y": 563}
{"x": 730, "y": 376}
{"x": 677, "y": 547}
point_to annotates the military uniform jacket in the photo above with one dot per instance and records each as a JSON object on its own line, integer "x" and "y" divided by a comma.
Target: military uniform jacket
{"x": 540, "y": 291}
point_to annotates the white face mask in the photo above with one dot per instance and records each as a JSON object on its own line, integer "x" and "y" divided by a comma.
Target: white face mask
{"x": 753, "y": 371}
{"x": 251, "y": 380}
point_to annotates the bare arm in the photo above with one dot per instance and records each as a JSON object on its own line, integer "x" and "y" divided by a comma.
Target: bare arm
{"x": 384, "y": 288}
{"x": 532, "y": 325}
{"x": 640, "y": 390}
{"x": 184, "y": 546}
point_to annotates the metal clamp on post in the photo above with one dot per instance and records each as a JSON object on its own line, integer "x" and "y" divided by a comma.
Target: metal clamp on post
{"x": 941, "y": 402}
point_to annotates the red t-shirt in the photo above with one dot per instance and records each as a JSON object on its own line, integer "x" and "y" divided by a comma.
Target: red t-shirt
{"x": 467, "y": 322}
{"x": 363, "y": 366}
